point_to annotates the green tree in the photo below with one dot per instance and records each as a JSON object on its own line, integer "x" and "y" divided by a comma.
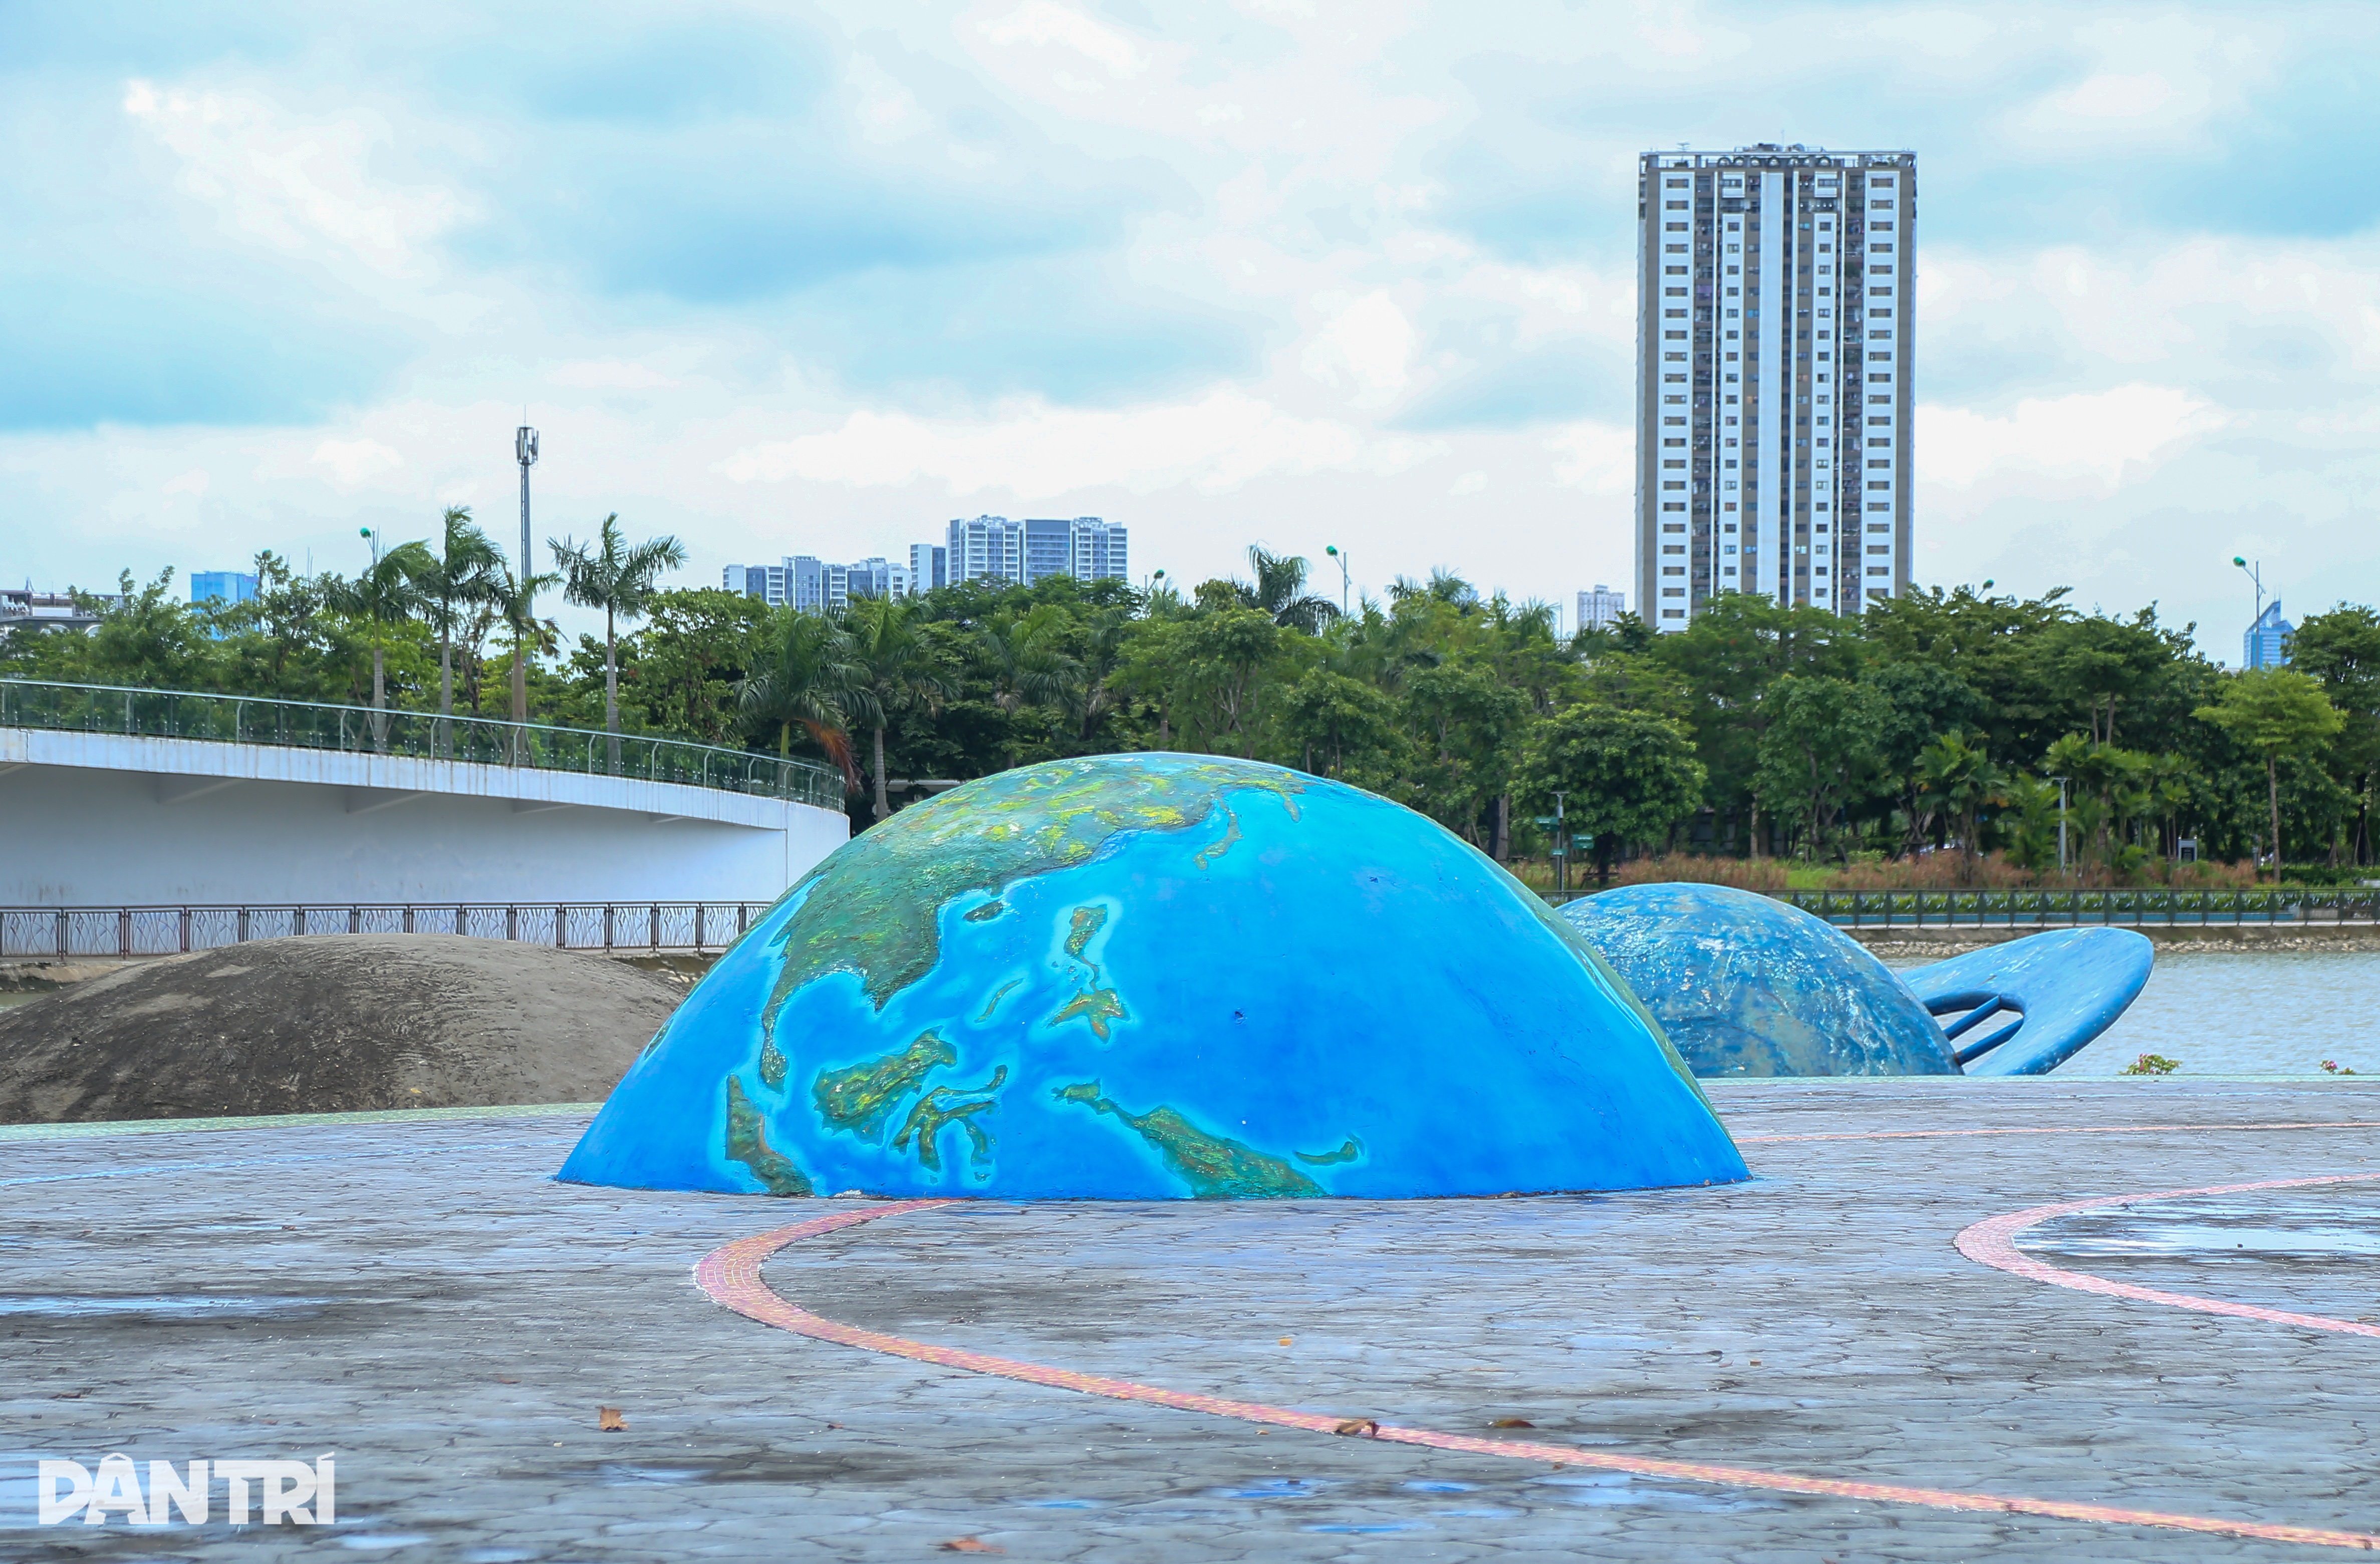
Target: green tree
{"x": 1626, "y": 776}
{"x": 618, "y": 578}
{"x": 1824, "y": 747}
{"x": 1958, "y": 778}
{"x": 894, "y": 668}
{"x": 1024, "y": 659}
{"x": 697, "y": 644}
{"x": 1278, "y": 592}
{"x": 1342, "y": 727}
{"x": 2275, "y": 711}
{"x": 513, "y": 599}
{"x": 146, "y": 637}
{"x": 2342, "y": 649}
{"x": 806, "y": 675}
{"x": 461, "y": 570}
{"x": 386, "y": 594}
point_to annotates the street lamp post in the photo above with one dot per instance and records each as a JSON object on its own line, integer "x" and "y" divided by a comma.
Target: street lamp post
{"x": 2254, "y": 573}
{"x": 1334, "y": 551}
{"x": 1562, "y": 850}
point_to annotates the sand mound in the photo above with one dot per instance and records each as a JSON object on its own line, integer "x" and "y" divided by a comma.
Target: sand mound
{"x": 326, "y": 1024}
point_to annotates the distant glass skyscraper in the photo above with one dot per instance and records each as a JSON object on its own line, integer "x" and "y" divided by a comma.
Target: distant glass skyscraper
{"x": 1773, "y": 377}
{"x": 2266, "y": 644}
{"x": 212, "y": 586}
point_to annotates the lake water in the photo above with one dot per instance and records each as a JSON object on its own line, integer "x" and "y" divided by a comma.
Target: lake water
{"x": 2218, "y": 1012}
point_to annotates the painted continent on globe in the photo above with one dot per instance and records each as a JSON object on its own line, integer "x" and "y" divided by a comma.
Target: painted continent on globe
{"x": 1158, "y": 976}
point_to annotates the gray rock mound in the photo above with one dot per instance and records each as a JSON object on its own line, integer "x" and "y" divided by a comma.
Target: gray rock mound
{"x": 330, "y": 1023}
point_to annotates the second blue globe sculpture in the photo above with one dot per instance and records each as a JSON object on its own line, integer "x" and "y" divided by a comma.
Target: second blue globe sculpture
{"x": 1153, "y": 976}
{"x": 1747, "y": 984}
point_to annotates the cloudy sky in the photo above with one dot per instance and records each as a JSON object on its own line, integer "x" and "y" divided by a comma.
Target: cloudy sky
{"x": 817, "y": 278}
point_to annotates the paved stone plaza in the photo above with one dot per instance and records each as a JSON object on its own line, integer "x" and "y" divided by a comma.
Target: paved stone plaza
{"x": 419, "y": 1298}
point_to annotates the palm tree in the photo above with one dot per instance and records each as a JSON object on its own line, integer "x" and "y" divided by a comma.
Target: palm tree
{"x": 896, "y": 669}
{"x": 460, "y": 575}
{"x": 1279, "y": 591}
{"x": 515, "y": 601}
{"x": 387, "y": 593}
{"x": 1025, "y": 660}
{"x": 801, "y": 683}
{"x": 1959, "y": 779}
{"x": 619, "y": 580}
{"x": 1094, "y": 694}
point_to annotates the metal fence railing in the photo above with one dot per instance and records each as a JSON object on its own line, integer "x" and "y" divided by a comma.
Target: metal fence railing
{"x": 2062, "y": 909}
{"x": 64, "y": 933}
{"x": 239, "y": 718}
{"x": 1955, "y": 909}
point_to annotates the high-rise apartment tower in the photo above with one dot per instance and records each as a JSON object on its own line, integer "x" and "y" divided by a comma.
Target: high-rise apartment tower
{"x": 1773, "y": 354}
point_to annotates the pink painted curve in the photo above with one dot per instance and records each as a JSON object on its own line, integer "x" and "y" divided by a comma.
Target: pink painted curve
{"x": 1993, "y": 1243}
{"x": 2052, "y": 1130}
{"x": 731, "y": 1276}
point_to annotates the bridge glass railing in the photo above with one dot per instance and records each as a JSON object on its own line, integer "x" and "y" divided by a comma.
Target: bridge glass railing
{"x": 258, "y": 719}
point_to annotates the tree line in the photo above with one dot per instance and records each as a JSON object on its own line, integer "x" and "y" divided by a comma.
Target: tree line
{"x": 1942, "y": 727}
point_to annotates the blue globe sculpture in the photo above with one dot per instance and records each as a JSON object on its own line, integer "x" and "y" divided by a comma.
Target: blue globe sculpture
{"x": 1149, "y": 977}
{"x": 1746, "y": 985}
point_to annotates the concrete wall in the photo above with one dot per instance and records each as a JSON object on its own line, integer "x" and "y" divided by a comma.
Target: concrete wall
{"x": 100, "y": 819}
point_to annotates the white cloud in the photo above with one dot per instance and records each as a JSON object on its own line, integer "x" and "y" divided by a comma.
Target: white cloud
{"x": 191, "y": 482}
{"x": 1367, "y": 345}
{"x": 1469, "y": 483}
{"x": 2097, "y": 434}
{"x": 357, "y": 461}
{"x": 1217, "y": 443}
{"x": 1599, "y": 458}
{"x": 299, "y": 186}
{"x": 1046, "y": 22}
{"x": 608, "y": 374}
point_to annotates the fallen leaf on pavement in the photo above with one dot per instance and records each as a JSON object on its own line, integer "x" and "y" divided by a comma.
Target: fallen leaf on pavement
{"x": 1512, "y": 1423}
{"x": 1359, "y": 1428}
{"x": 970, "y": 1545}
{"x": 609, "y": 1420}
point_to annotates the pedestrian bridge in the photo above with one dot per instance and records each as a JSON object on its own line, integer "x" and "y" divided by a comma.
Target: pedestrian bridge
{"x": 112, "y": 797}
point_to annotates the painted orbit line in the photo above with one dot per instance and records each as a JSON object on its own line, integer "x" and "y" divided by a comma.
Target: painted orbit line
{"x": 2053, "y": 1129}
{"x": 731, "y": 1276}
{"x": 1993, "y": 1243}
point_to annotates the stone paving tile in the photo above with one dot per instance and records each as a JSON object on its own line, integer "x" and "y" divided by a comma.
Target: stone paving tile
{"x": 422, "y": 1298}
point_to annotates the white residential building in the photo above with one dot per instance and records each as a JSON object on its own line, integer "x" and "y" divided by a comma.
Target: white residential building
{"x": 995, "y": 548}
{"x": 1773, "y": 377}
{"x": 1600, "y": 609}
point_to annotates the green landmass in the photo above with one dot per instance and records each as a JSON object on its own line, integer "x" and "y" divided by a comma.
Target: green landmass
{"x": 997, "y": 995}
{"x": 945, "y": 1106}
{"x": 1087, "y": 922}
{"x": 747, "y": 1142}
{"x": 1347, "y": 1153}
{"x": 858, "y": 1100}
{"x": 985, "y": 913}
{"x": 773, "y": 1064}
{"x": 1097, "y": 1006}
{"x": 1214, "y": 1166}
{"x": 1205, "y": 855}
{"x": 870, "y": 907}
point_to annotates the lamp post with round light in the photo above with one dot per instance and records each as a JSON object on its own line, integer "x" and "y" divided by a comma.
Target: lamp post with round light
{"x": 1336, "y": 552}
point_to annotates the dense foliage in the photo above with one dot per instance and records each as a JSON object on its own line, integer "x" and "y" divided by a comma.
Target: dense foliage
{"x": 1933, "y": 727}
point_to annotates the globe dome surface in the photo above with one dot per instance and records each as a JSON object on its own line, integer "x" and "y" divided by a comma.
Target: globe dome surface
{"x": 1144, "y": 977}
{"x": 1746, "y": 985}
